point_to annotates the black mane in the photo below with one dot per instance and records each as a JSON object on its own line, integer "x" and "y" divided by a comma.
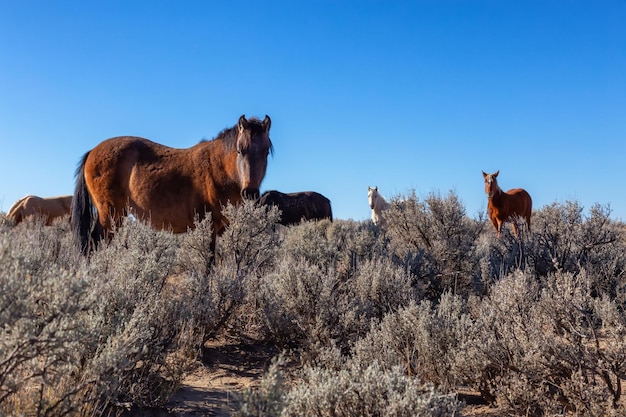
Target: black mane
{"x": 229, "y": 134}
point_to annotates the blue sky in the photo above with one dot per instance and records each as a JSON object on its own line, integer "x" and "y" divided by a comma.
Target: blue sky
{"x": 404, "y": 95}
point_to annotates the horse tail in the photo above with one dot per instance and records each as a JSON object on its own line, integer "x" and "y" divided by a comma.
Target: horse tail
{"x": 84, "y": 227}
{"x": 330, "y": 211}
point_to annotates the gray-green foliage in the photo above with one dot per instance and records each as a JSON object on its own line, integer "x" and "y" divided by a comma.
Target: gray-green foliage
{"x": 382, "y": 321}
{"x": 351, "y": 389}
{"x": 437, "y": 240}
{"x": 359, "y": 389}
{"x": 44, "y": 331}
{"x": 80, "y": 340}
{"x": 546, "y": 347}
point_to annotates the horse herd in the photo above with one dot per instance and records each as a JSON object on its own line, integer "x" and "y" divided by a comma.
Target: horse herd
{"x": 170, "y": 188}
{"x": 502, "y": 206}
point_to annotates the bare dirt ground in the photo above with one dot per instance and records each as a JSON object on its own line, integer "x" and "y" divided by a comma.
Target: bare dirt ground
{"x": 227, "y": 369}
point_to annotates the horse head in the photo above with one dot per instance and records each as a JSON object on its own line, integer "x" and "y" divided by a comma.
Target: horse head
{"x": 372, "y": 195}
{"x": 253, "y": 146}
{"x": 491, "y": 184}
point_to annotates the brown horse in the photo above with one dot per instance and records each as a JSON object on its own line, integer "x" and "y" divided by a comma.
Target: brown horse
{"x": 506, "y": 206}
{"x": 49, "y": 207}
{"x": 166, "y": 186}
{"x": 295, "y": 207}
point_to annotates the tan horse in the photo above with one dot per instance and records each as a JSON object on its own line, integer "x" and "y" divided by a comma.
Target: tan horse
{"x": 166, "y": 186}
{"x": 31, "y": 205}
{"x": 506, "y": 206}
{"x": 378, "y": 204}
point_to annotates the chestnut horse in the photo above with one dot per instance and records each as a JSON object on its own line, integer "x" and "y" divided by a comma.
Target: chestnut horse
{"x": 378, "y": 204}
{"x": 506, "y": 206}
{"x": 295, "y": 207}
{"x": 49, "y": 207}
{"x": 168, "y": 187}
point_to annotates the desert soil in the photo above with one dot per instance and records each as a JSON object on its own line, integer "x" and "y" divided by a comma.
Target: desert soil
{"x": 225, "y": 371}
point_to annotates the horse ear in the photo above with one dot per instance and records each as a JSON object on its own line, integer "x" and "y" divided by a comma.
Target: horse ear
{"x": 243, "y": 123}
{"x": 485, "y": 175}
{"x": 495, "y": 174}
{"x": 369, "y": 188}
{"x": 267, "y": 122}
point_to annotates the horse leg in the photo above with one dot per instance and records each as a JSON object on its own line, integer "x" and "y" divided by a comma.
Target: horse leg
{"x": 109, "y": 219}
{"x": 515, "y": 229}
{"x": 496, "y": 224}
{"x": 499, "y": 227}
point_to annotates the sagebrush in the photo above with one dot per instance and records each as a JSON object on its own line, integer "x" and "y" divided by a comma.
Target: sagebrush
{"x": 394, "y": 321}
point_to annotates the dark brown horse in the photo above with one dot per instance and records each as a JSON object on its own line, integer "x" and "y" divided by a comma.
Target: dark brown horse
{"x": 48, "y": 207}
{"x": 506, "y": 206}
{"x": 295, "y": 207}
{"x": 166, "y": 186}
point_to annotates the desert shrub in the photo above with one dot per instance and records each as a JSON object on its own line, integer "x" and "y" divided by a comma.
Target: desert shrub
{"x": 299, "y": 303}
{"x": 308, "y": 241}
{"x": 437, "y": 241}
{"x": 564, "y": 239}
{"x": 92, "y": 338}
{"x": 45, "y": 244}
{"x": 195, "y": 256}
{"x": 542, "y": 349}
{"x": 354, "y": 243}
{"x": 345, "y": 388}
{"x": 43, "y": 333}
{"x": 503, "y": 340}
{"x": 583, "y": 350}
{"x": 306, "y": 305}
{"x": 502, "y": 256}
{"x": 380, "y": 320}
{"x": 248, "y": 245}
{"x": 218, "y": 294}
{"x": 377, "y": 288}
{"x": 136, "y": 320}
{"x": 268, "y": 399}
{"x": 422, "y": 339}
{"x": 365, "y": 390}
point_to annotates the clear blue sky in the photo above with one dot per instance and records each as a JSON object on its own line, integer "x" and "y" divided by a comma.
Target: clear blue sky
{"x": 404, "y": 95}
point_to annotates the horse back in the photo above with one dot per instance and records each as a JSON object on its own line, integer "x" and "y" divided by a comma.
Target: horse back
{"x": 521, "y": 203}
{"x": 514, "y": 202}
{"x": 308, "y": 205}
{"x": 167, "y": 185}
{"x": 319, "y": 206}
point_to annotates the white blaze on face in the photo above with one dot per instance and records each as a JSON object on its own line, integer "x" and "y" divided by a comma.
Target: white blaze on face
{"x": 490, "y": 181}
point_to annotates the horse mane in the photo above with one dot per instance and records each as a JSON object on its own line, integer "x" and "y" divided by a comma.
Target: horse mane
{"x": 229, "y": 135}
{"x": 383, "y": 204}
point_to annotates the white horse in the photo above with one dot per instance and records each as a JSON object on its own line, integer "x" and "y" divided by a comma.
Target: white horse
{"x": 378, "y": 204}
